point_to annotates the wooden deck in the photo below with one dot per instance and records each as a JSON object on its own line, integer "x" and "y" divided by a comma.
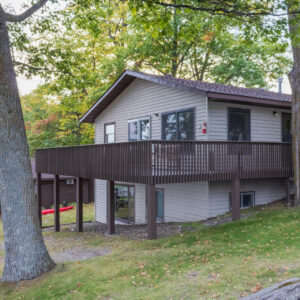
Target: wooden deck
{"x": 156, "y": 162}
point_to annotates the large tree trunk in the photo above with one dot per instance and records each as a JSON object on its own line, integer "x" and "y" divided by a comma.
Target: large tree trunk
{"x": 26, "y": 255}
{"x": 294, "y": 78}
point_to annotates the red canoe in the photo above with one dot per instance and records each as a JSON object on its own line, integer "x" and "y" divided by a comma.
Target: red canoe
{"x": 51, "y": 211}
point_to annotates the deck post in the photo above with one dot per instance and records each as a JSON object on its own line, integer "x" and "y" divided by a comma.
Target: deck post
{"x": 151, "y": 211}
{"x": 91, "y": 190}
{"x": 287, "y": 190}
{"x": 56, "y": 203}
{"x": 110, "y": 209}
{"x": 39, "y": 197}
{"x": 235, "y": 199}
{"x": 79, "y": 205}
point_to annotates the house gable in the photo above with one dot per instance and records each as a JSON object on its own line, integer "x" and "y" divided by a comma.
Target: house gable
{"x": 143, "y": 98}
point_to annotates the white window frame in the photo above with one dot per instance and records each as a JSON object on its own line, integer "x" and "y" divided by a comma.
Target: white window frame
{"x": 105, "y": 133}
{"x": 139, "y": 128}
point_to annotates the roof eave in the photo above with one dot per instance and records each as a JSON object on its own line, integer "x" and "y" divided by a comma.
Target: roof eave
{"x": 121, "y": 83}
{"x": 221, "y": 97}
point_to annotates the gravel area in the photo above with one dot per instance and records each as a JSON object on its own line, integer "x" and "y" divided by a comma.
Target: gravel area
{"x": 78, "y": 253}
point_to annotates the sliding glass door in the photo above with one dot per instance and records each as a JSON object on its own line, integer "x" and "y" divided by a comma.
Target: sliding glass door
{"x": 124, "y": 205}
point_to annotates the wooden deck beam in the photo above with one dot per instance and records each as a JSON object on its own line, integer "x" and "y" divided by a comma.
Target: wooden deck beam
{"x": 56, "y": 200}
{"x": 39, "y": 196}
{"x": 79, "y": 204}
{"x": 151, "y": 211}
{"x": 235, "y": 200}
{"x": 110, "y": 209}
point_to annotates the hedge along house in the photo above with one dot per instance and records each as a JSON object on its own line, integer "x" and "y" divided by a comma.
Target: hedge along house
{"x": 180, "y": 150}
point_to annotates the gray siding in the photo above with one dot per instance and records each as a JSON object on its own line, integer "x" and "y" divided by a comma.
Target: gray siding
{"x": 100, "y": 200}
{"x": 146, "y": 99}
{"x": 266, "y": 191}
{"x": 182, "y": 202}
{"x": 186, "y": 201}
{"x": 265, "y": 127}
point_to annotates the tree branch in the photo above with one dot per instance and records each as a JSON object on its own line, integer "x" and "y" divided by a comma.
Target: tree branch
{"x": 18, "y": 63}
{"x": 28, "y": 13}
{"x": 229, "y": 10}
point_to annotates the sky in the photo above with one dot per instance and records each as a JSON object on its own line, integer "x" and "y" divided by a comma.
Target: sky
{"x": 28, "y": 85}
{"x": 25, "y": 85}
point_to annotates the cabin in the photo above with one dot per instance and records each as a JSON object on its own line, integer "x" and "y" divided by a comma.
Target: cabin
{"x": 176, "y": 150}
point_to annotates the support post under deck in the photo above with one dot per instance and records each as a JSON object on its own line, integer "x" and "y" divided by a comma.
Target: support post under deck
{"x": 110, "y": 207}
{"x": 235, "y": 199}
{"x": 79, "y": 204}
{"x": 287, "y": 191}
{"x": 151, "y": 211}
{"x": 56, "y": 203}
{"x": 39, "y": 196}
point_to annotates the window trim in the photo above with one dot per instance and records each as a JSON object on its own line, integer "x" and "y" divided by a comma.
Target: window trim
{"x": 139, "y": 133}
{"x": 237, "y": 109}
{"x": 282, "y": 117}
{"x": 106, "y": 124}
{"x": 193, "y": 109}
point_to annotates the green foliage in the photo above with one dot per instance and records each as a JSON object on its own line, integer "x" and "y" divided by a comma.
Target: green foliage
{"x": 83, "y": 46}
{"x": 41, "y": 119}
{"x": 51, "y": 121}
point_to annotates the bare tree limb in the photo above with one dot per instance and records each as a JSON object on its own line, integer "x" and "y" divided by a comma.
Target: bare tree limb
{"x": 26, "y": 14}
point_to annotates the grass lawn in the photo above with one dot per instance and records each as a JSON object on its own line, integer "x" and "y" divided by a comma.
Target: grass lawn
{"x": 221, "y": 262}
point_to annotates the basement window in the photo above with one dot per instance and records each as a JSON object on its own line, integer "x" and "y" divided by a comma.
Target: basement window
{"x": 70, "y": 181}
{"x": 247, "y": 199}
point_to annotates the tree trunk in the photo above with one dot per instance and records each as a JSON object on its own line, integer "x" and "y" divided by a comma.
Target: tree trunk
{"x": 294, "y": 78}
{"x": 26, "y": 255}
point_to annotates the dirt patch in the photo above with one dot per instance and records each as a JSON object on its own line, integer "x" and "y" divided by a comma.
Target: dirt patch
{"x": 135, "y": 231}
{"x": 79, "y": 253}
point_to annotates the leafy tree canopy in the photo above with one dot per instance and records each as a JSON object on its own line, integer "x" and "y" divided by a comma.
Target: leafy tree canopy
{"x": 81, "y": 49}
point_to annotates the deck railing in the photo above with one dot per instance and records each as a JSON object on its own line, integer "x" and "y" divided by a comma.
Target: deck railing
{"x": 155, "y": 162}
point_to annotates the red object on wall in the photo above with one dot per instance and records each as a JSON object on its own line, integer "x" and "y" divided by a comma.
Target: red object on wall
{"x": 51, "y": 211}
{"x": 204, "y": 128}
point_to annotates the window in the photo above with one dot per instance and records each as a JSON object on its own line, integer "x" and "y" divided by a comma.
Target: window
{"x": 125, "y": 203}
{"x": 109, "y": 133}
{"x": 178, "y": 126}
{"x": 247, "y": 199}
{"x": 139, "y": 130}
{"x": 70, "y": 181}
{"x": 286, "y": 127}
{"x": 238, "y": 124}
